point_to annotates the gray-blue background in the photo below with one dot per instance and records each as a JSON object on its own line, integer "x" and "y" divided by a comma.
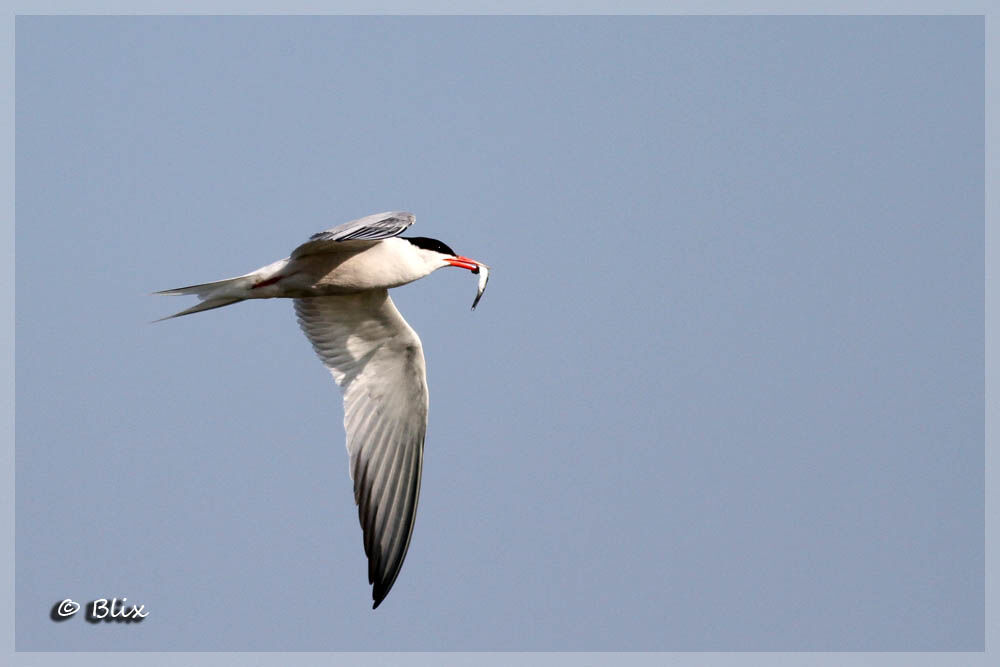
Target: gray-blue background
{"x": 725, "y": 390}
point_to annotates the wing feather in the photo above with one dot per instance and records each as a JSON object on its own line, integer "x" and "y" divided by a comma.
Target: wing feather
{"x": 378, "y": 362}
{"x": 369, "y": 228}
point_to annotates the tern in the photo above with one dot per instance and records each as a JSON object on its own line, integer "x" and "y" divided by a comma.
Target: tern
{"x": 339, "y": 280}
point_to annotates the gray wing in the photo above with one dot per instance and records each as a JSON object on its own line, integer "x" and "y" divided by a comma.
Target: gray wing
{"x": 369, "y": 228}
{"x": 378, "y": 361}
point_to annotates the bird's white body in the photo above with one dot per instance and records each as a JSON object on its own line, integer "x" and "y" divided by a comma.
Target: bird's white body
{"x": 339, "y": 281}
{"x": 354, "y": 266}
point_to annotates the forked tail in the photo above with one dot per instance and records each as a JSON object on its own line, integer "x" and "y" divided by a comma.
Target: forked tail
{"x": 232, "y": 290}
{"x": 213, "y": 295}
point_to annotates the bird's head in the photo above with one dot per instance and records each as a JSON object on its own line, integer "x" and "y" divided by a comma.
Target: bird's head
{"x": 438, "y": 255}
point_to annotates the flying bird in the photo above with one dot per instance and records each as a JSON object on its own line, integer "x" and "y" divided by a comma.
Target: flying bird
{"x": 339, "y": 280}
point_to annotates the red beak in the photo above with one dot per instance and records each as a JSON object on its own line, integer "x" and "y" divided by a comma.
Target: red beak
{"x": 465, "y": 263}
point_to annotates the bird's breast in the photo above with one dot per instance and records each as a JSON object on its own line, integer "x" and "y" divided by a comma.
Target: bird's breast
{"x": 377, "y": 267}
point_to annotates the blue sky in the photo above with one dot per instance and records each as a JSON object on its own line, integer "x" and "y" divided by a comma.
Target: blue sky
{"x": 724, "y": 392}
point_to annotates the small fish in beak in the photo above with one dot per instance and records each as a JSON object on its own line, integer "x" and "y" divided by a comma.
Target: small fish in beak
{"x": 475, "y": 267}
{"x": 484, "y": 276}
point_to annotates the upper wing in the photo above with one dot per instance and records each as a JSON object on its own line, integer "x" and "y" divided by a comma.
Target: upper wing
{"x": 369, "y": 228}
{"x": 378, "y": 361}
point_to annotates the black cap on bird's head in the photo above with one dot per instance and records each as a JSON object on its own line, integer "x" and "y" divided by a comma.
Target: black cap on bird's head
{"x": 430, "y": 244}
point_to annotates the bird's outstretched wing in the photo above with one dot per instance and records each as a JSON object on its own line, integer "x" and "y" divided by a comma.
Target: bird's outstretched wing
{"x": 369, "y": 228}
{"x": 378, "y": 361}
